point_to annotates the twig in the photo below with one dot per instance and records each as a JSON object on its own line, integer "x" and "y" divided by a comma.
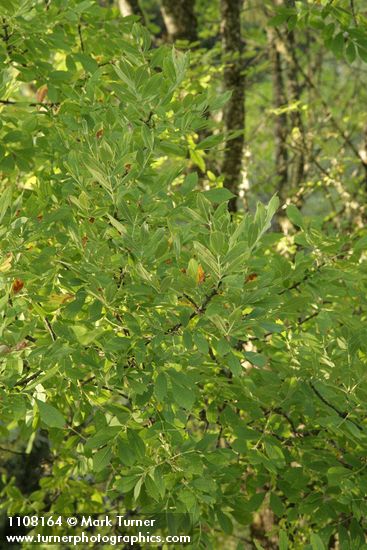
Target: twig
{"x": 28, "y": 103}
{"x": 80, "y": 36}
{"x": 311, "y": 316}
{"x": 198, "y": 310}
{"x": 117, "y": 391}
{"x": 191, "y": 301}
{"x": 353, "y": 10}
{"x": 288, "y": 419}
{"x": 5, "y": 450}
{"x": 92, "y": 378}
{"x": 50, "y": 329}
{"x": 340, "y": 413}
{"x": 24, "y": 381}
{"x": 6, "y": 37}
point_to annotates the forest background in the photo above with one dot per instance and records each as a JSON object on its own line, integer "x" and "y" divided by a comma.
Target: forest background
{"x": 168, "y": 344}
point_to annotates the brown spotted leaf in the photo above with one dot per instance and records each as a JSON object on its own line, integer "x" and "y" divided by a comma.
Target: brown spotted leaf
{"x": 200, "y": 274}
{"x": 17, "y": 286}
{"x": 41, "y": 93}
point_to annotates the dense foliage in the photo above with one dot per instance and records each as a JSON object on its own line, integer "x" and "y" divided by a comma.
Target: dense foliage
{"x": 158, "y": 353}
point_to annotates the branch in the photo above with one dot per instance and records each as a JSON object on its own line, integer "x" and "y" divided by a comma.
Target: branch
{"x": 189, "y": 299}
{"x": 80, "y": 36}
{"x": 341, "y": 414}
{"x": 24, "y": 381}
{"x": 240, "y": 343}
{"x": 198, "y": 310}
{"x": 21, "y": 453}
{"x": 353, "y": 10}
{"x": 50, "y": 329}
{"x": 28, "y": 103}
{"x": 6, "y": 37}
{"x": 279, "y": 411}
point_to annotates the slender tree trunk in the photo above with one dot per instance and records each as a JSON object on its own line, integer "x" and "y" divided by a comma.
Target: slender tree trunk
{"x": 260, "y": 528}
{"x": 281, "y": 119}
{"x": 179, "y": 17}
{"x": 234, "y": 80}
{"x": 296, "y": 121}
{"x": 130, "y": 7}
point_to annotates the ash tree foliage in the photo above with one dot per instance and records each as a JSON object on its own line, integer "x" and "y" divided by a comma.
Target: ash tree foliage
{"x": 158, "y": 354}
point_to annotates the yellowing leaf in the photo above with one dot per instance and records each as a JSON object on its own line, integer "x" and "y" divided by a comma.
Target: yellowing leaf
{"x": 6, "y": 265}
{"x": 200, "y": 274}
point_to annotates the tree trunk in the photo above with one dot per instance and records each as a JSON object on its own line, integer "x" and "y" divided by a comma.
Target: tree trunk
{"x": 297, "y": 126}
{"x": 179, "y": 17}
{"x": 130, "y": 7}
{"x": 281, "y": 119}
{"x": 234, "y": 80}
{"x": 260, "y": 528}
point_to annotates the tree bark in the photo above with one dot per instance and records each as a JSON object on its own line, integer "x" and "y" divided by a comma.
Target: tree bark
{"x": 234, "y": 80}
{"x": 130, "y": 7}
{"x": 295, "y": 115}
{"x": 281, "y": 119}
{"x": 180, "y": 20}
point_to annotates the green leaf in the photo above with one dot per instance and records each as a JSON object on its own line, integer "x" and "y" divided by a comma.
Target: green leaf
{"x": 188, "y": 498}
{"x": 283, "y": 540}
{"x": 275, "y": 455}
{"x": 190, "y": 182}
{"x": 103, "y": 436}
{"x": 84, "y": 335}
{"x": 136, "y": 442}
{"x": 183, "y": 396}
{"x": 234, "y": 364}
{"x": 277, "y": 505}
{"x": 5, "y": 200}
{"x": 118, "y": 225}
{"x": 316, "y": 542}
{"x": 278, "y": 19}
{"x": 192, "y": 270}
{"x": 221, "y": 194}
{"x": 51, "y": 416}
{"x": 126, "y": 483}
{"x": 217, "y": 243}
{"x": 294, "y": 215}
{"x": 126, "y": 453}
{"x": 138, "y": 487}
{"x": 207, "y": 258}
{"x": 201, "y": 342}
{"x": 225, "y": 522}
{"x": 211, "y": 141}
{"x": 151, "y": 488}
{"x": 173, "y": 149}
{"x": 351, "y": 52}
{"x": 197, "y": 158}
{"x": 337, "y": 45}
{"x": 101, "y": 459}
{"x": 256, "y": 358}
{"x": 362, "y": 52}
{"x": 160, "y": 387}
{"x": 218, "y": 101}
{"x": 180, "y": 62}
{"x": 271, "y": 209}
